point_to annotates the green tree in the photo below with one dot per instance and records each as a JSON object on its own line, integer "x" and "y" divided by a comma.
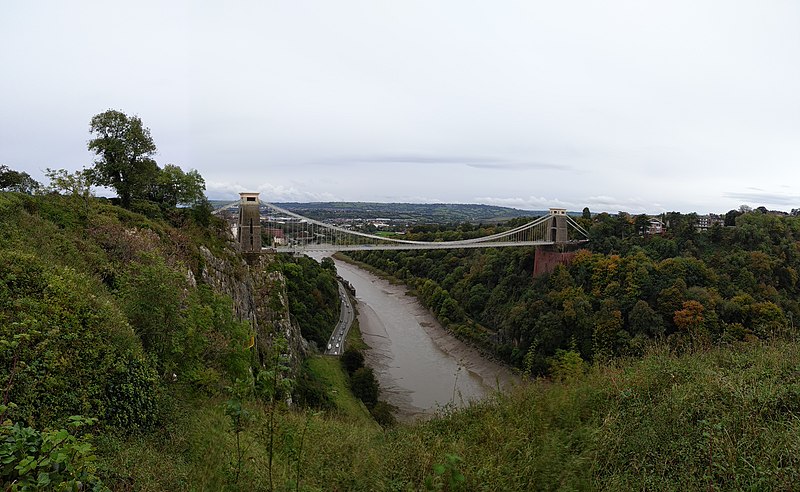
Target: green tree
{"x": 76, "y": 184}
{"x": 365, "y": 386}
{"x": 352, "y": 360}
{"x": 124, "y": 149}
{"x": 22, "y": 182}
{"x": 173, "y": 187}
{"x": 643, "y": 319}
{"x": 641, "y": 223}
{"x": 566, "y": 365}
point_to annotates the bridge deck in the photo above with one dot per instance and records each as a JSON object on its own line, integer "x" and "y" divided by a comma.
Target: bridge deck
{"x": 385, "y": 247}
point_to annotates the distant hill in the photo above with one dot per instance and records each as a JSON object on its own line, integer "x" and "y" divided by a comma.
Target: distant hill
{"x": 413, "y": 212}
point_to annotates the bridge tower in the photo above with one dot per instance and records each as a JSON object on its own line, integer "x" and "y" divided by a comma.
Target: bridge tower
{"x": 558, "y": 225}
{"x": 248, "y": 232}
{"x": 548, "y": 257}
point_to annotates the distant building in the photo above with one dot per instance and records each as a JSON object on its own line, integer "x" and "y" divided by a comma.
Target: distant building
{"x": 655, "y": 227}
{"x": 706, "y": 222}
{"x": 277, "y": 236}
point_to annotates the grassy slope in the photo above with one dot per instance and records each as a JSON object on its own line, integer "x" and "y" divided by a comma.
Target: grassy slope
{"x": 726, "y": 418}
{"x": 328, "y": 369}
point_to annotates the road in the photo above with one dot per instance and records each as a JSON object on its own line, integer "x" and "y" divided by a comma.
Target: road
{"x": 346, "y": 316}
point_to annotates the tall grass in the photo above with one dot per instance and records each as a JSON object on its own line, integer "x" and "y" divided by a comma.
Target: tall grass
{"x": 722, "y": 419}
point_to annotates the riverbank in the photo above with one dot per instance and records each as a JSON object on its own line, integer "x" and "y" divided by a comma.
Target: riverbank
{"x": 422, "y": 368}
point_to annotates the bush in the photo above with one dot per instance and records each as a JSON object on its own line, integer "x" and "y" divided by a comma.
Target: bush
{"x": 62, "y": 345}
{"x": 49, "y": 459}
{"x": 365, "y": 386}
{"x": 311, "y": 392}
{"x": 352, "y": 360}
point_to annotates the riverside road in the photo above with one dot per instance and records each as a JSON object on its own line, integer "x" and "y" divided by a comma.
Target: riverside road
{"x": 346, "y": 317}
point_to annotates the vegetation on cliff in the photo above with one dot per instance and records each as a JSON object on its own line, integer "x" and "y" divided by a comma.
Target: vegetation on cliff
{"x": 690, "y": 287}
{"x": 104, "y": 313}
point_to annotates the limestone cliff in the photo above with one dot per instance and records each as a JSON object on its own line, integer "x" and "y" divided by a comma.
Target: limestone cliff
{"x": 258, "y": 291}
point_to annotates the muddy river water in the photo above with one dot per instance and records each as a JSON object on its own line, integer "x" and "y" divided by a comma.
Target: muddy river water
{"x": 420, "y": 366}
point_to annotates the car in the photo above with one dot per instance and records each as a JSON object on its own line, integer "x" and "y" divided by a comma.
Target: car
{"x": 329, "y": 346}
{"x": 337, "y": 345}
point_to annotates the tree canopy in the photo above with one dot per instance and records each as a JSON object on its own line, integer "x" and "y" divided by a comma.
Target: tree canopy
{"x": 22, "y": 182}
{"x": 125, "y": 150}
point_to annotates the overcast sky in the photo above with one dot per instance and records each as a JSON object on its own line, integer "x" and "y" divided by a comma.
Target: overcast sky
{"x": 640, "y": 106}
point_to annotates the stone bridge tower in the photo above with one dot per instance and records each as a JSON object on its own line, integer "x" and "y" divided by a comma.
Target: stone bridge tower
{"x": 548, "y": 257}
{"x": 248, "y": 233}
{"x": 558, "y": 226}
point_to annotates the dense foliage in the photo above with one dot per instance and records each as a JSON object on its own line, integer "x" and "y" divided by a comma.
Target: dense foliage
{"x": 11, "y": 180}
{"x": 98, "y": 315}
{"x": 47, "y": 460}
{"x": 727, "y": 283}
{"x": 313, "y": 296}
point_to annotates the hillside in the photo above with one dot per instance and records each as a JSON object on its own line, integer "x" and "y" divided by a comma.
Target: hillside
{"x": 621, "y": 292}
{"x": 143, "y": 325}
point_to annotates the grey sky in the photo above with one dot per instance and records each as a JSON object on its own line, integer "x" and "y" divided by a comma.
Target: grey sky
{"x": 616, "y": 105}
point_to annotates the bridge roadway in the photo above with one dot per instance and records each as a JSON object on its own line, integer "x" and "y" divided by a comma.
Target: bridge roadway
{"x": 328, "y": 248}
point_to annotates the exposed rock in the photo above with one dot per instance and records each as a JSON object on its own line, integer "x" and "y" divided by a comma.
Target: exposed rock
{"x": 259, "y": 296}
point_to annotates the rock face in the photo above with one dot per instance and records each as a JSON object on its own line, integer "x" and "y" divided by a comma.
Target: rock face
{"x": 258, "y": 291}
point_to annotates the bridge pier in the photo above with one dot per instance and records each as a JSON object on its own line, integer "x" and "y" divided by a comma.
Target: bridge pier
{"x": 547, "y": 258}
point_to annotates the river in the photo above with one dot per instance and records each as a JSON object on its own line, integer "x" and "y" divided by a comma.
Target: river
{"x": 420, "y": 366}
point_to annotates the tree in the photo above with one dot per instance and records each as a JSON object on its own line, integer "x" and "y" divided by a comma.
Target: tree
{"x": 76, "y": 184}
{"x": 352, "y": 360}
{"x": 690, "y": 319}
{"x": 22, "y": 182}
{"x": 643, "y": 319}
{"x": 173, "y": 187}
{"x": 586, "y": 213}
{"x": 365, "y": 386}
{"x": 566, "y": 365}
{"x": 124, "y": 149}
{"x": 641, "y": 223}
{"x": 730, "y": 217}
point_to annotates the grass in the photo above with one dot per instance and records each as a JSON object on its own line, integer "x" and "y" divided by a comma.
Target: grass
{"x": 329, "y": 370}
{"x": 723, "y": 419}
{"x": 354, "y": 339}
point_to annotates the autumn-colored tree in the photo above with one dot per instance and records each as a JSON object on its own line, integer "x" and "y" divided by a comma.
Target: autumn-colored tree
{"x": 690, "y": 320}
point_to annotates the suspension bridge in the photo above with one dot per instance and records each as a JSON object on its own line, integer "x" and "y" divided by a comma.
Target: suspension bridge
{"x": 264, "y": 226}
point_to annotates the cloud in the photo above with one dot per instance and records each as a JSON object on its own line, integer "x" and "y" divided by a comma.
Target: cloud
{"x": 530, "y": 203}
{"x": 763, "y": 197}
{"x": 521, "y": 165}
{"x": 633, "y": 205}
{"x": 478, "y": 162}
{"x": 269, "y": 192}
